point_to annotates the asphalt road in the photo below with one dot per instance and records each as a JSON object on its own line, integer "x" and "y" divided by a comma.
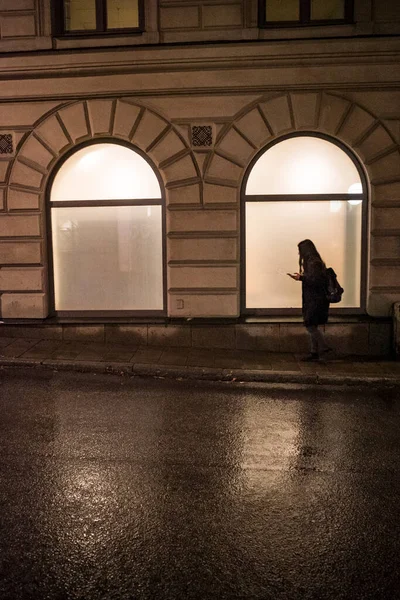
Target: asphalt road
{"x": 115, "y": 488}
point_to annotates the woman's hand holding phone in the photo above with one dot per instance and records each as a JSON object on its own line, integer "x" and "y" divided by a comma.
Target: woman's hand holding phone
{"x": 295, "y": 276}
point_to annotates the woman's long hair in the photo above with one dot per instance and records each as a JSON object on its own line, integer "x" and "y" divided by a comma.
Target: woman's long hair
{"x": 307, "y": 250}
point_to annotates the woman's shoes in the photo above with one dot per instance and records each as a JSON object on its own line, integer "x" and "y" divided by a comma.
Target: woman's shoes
{"x": 327, "y": 353}
{"x": 313, "y": 356}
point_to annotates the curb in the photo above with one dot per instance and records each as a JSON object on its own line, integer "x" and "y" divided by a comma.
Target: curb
{"x": 201, "y": 374}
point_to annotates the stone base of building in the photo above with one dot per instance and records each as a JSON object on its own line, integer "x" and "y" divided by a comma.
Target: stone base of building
{"x": 360, "y": 337}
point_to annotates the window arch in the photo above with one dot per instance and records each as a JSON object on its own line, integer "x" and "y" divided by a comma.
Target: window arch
{"x": 107, "y": 223}
{"x": 302, "y": 186}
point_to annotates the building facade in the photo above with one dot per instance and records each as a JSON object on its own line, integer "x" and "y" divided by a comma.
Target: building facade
{"x": 160, "y": 161}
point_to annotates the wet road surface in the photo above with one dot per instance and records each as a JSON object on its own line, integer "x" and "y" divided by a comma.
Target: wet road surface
{"x": 115, "y": 488}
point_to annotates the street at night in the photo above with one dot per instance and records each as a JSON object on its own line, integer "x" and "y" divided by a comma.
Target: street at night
{"x": 117, "y": 488}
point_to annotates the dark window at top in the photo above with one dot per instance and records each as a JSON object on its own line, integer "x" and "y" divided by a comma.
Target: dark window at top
{"x": 86, "y": 17}
{"x": 275, "y": 13}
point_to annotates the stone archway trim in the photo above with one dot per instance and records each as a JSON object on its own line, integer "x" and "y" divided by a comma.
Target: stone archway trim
{"x": 276, "y": 115}
{"x": 53, "y": 136}
{"x": 202, "y": 207}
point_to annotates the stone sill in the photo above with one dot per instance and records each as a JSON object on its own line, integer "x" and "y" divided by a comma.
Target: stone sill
{"x": 34, "y": 44}
{"x": 197, "y": 321}
{"x": 342, "y": 319}
{"x": 360, "y": 335}
{"x": 105, "y": 41}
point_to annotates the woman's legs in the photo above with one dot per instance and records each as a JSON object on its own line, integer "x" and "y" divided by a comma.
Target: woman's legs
{"x": 317, "y": 340}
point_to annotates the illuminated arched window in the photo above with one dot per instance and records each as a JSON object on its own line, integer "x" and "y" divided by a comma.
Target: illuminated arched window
{"x": 107, "y": 224}
{"x": 301, "y": 187}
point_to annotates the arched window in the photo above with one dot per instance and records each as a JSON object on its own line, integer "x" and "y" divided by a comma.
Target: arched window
{"x": 107, "y": 233}
{"x": 303, "y": 186}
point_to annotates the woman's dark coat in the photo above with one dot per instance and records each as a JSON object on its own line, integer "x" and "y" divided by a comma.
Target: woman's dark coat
{"x": 315, "y": 306}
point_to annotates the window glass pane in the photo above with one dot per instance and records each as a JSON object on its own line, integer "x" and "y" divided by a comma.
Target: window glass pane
{"x": 327, "y": 9}
{"x": 273, "y": 230}
{"x": 105, "y": 172}
{"x": 79, "y": 15}
{"x": 282, "y": 10}
{"x": 122, "y": 13}
{"x": 108, "y": 258}
{"x": 303, "y": 165}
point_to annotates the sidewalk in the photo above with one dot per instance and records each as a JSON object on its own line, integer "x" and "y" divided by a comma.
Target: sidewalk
{"x": 196, "y": 363}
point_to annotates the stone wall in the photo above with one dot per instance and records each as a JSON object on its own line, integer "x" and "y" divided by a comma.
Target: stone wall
{"x": 244, "y": 95}
{"x": 359, "y": 338}
{"x": 385, "y": 16}
{"x": 200, "y": 20}
{"x": 278, "y": 114}
{"x": 26, "y": 24}
{"x": 202, "y": 188}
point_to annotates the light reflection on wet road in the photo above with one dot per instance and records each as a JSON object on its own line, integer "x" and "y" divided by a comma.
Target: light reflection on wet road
{"x": 117, "y": 488}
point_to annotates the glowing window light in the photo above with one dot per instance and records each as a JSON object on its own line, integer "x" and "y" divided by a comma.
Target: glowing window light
{"x": 303, "y": 165}
{"x": 107, "y": 255}
{"x": 335, "y": 206}
{"x": 105, "y": 172}
{"x": 355, "y": 188}
{"x": 298, "y": 169}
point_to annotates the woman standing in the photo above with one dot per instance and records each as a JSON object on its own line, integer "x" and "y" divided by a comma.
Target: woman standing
{"x": 315, "y": 306}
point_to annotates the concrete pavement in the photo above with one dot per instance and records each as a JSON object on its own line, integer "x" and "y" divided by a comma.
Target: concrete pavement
{"x": 196, "y": 363}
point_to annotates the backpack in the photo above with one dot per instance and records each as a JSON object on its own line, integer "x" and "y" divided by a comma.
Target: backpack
{"x": 334, "y": 290}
